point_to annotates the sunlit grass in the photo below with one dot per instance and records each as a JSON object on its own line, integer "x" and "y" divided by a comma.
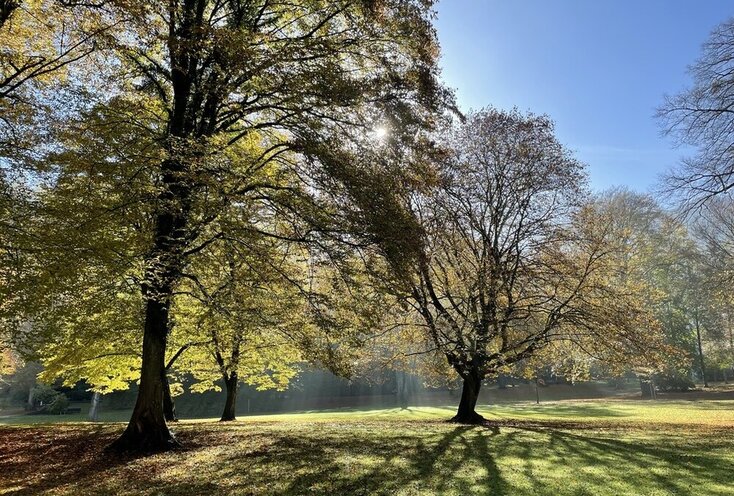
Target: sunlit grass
{"x": 562, "y": 448}
{"x": 677, "y": 412}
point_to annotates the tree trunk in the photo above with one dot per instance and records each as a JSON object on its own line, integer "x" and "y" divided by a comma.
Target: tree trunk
{"x": 401, "y": 388}
{"x": 147, "y": 430}
{"x": 700, "y": 352}
{"x": 230, "y": 405}
{"x": 169, "y": 407}
{"x": 466, "y": 413}
{"x": 647, "y": 388}
{"x": 94, "y": 407}
{"x": 31, "y": 403}
{"x": 537, "y": 393}
{"x": 6, "y": 10}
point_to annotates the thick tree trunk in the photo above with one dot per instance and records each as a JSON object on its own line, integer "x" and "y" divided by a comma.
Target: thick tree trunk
{"x": 94, "y": 407}
{"x": 230, "y": 405}
{"x": 466, "y": 413}
{"x": 147, "y": 430}
{"x": 169, "y": 407}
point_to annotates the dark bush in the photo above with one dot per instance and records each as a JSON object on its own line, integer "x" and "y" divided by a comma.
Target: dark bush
{"x": 59, "y": 404}
{"x": 44, "y": 395}
{"x": 674, "y": 383}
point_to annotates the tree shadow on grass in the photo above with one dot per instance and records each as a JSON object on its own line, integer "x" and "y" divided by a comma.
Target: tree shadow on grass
{"x": 370, "y": 458}
{"x": 667, "y": 464}
{"x": 556, "y": 411}
{"x": 401, "y": 463}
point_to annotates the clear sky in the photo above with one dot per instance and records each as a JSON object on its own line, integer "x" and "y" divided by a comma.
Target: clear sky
{"x": 599, "y": 68}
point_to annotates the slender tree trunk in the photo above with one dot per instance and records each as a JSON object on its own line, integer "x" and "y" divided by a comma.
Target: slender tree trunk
{"x": 169, "y": 407}
{"x": 230, "y": 405}
{"x": 31, "y": 403}
{"x": 401, "y": 388}
{"x": 94, "y": 407}
{"x": 147, "y": 430}
{"x": 537, "y": 393}
{"x": 466, "y": 413}
{"x": 700, "y": 352}
{"x": 653, "y": 390}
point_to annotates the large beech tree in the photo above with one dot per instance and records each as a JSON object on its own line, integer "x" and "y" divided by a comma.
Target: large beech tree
{"x": 505, "y": 260}
{"x": 201, "y": 108}
{"x": 488, "y": 285}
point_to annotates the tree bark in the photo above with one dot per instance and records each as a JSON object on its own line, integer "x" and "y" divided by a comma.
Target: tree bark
{"x": 169, "y": 407}
{"x": 94, "y": 407}
{"x": 230, "y": 405}
{"x": 647, "y": 388}
{"x": 31, "y": 403}
{"x": 537, "y": 393}
{"x": 401, "y": 388}
{"x": 700, "y": 351}
{"x": 466, "y": 413}
{"x": 7, "y": 7}
{"x": 147, "y": 430}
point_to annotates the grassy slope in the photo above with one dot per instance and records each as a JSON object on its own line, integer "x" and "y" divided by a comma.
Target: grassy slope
{"x": 565, "y": 448}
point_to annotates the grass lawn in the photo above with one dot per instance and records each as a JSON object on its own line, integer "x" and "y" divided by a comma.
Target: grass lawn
{"x": 562, "y": 448}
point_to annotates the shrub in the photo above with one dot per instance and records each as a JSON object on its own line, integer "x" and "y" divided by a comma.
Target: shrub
{"x": 674, "y": 382}
{"x": 44, "y": 395}
{"x": 59, "y": 404}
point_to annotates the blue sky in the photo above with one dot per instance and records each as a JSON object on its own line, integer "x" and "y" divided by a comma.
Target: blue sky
{"x": 599, "y": 68}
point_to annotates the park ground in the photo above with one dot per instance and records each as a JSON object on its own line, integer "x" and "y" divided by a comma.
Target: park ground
{"x": 573, "y": 447}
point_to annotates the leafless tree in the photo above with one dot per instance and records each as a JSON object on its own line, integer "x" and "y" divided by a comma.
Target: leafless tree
{"x": 702, "y": 116}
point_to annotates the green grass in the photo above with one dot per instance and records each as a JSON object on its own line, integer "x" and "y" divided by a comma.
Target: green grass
{"x": 25, "y": 419}
{"x": 719, "y": 412}
{"x": 675, "y": 412}
{"x": 563, "y": 448}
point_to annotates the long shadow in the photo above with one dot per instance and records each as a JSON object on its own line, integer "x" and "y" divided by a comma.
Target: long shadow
{"x": 435, "y": 464}
{"x": 558, "y": 411}
{"x": 493, "y": 484}
{"x": 655, "y": 462}
{"x": 349, "y": 459}
{"x": 437, "y": 461}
